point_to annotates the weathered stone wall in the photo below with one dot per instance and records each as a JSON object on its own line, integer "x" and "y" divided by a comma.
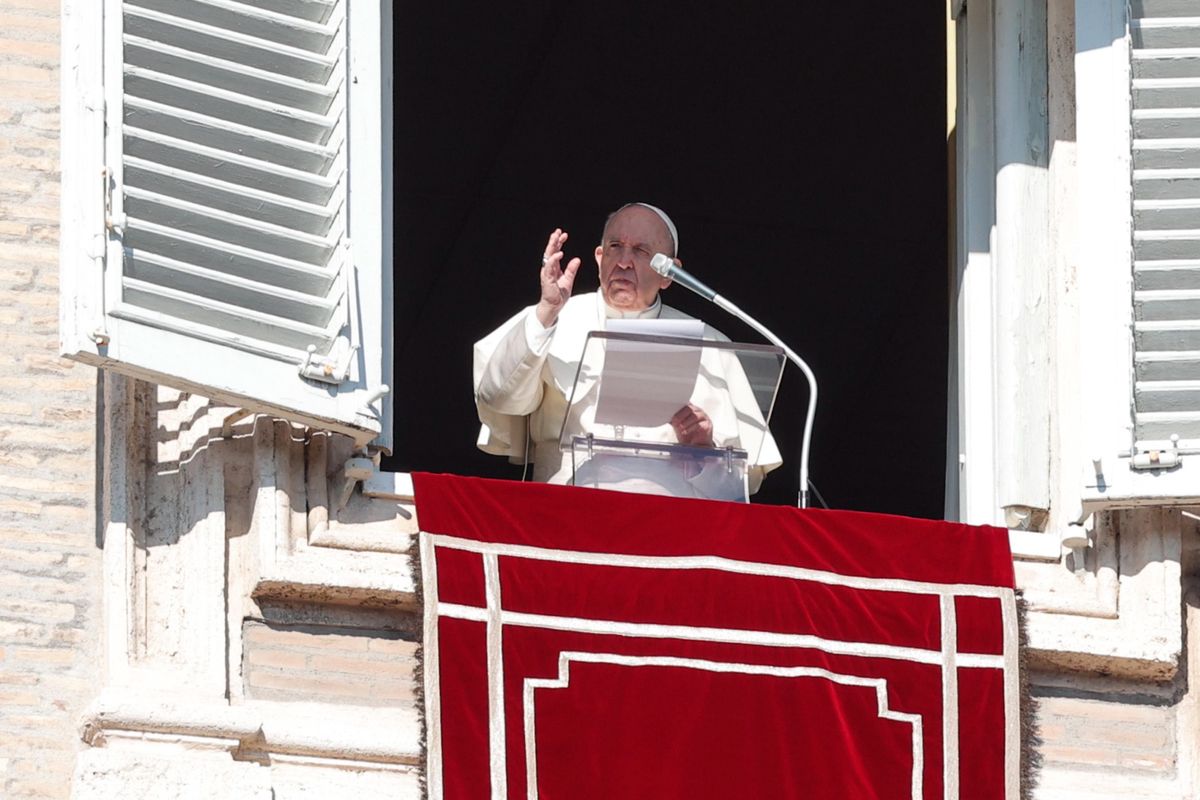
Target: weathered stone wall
{"x": 329, "y": 663}
{"x": 49, "y": 561}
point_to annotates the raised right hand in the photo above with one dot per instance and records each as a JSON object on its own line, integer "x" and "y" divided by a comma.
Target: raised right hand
{"x": 557, "y": 282}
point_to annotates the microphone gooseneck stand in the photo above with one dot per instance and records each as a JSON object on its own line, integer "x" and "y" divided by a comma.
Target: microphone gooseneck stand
{"x": 666, "y": 267}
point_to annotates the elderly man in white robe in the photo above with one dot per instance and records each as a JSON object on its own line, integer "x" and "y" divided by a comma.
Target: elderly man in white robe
{"x": 524, "y": 370}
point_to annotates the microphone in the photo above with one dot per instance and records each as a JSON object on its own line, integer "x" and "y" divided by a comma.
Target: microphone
{"x": 665, "y": 266}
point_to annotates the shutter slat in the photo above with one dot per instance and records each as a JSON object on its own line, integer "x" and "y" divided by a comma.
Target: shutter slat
{"x": 213, "y": 223}
{"x": 1165, "y": 214}
{"x": 1165, "y": 32}
{"x": 1166, "y": 153}
{"x": 242, "y": 201}
{"x": 230, "y": 167}
{"x": 236, "y": 320}
{"x": 1167, "y": 123}
{"x": 229, "y": 45}
{"x": 226, "y": 257}
{"x": 236, "y": 78}
{"x": 1150, "y": 365}
{"x": 1162, "y": 8}
{"x": 233, "y": 291}
{"x": 249, "y": 20}
{"x": 1149, "y": 245}
{"x": 187, "y": 126}
{"x": 242, "y": 109}
{"x": 311, "y": 10}
{"x": 1169, "y": 335}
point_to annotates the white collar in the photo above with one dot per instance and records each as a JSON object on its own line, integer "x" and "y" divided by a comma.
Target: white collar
{"x": 608, "y": 312}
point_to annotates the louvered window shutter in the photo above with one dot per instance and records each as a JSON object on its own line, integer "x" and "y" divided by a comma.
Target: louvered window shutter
{"x": 234, "y": 259}
{"x": 1165, "y": 37}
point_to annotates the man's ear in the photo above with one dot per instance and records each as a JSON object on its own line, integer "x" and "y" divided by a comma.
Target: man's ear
{"x": 599, "y": 255}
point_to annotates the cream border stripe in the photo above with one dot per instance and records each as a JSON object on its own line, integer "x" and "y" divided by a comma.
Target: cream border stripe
{"x": 719, "y": 635}
{"x": 497, "y": 753}
{"x": 950, "y": 777}
{"x": 433, "y": 682}
{"x": 721, "y": 564}
{"x": 566, "y": 657}
{"x": 1012, "y": 698}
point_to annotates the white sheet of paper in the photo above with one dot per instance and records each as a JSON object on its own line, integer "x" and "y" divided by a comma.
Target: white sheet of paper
{"x": 644, "y": 384}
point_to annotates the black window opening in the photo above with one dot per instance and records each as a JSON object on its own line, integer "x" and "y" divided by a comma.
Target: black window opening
{"x": 802, "y": 156}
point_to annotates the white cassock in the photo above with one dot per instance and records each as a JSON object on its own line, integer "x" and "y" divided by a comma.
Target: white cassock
{"x": 524, "y": 374}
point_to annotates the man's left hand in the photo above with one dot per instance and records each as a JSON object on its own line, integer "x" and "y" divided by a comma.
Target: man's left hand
{"x": 693, "y": 426}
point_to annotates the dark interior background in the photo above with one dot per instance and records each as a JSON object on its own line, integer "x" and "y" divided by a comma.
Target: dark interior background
{"x": 801, "y": 154}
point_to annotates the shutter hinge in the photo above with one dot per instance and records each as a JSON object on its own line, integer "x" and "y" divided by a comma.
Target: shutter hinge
{"x": 97, "y": 250}
{"x": 114, "y": 223}
{"x": 1164, "y": 458}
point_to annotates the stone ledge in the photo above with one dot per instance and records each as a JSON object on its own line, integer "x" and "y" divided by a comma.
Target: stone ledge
{"x": 360, "y": 734}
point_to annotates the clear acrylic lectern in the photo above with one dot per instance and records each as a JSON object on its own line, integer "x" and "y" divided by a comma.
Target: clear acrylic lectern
{"x": 617, "y": 429}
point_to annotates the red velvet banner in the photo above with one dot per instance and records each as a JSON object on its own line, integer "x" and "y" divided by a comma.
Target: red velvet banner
{"x": 586, "y": 644}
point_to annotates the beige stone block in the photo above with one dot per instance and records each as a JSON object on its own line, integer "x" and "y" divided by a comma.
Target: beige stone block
{"x": 322, "y": 642}
{"x": 18, "y": 458}
{"x": 66, "y": 514}
{"x": 45, "y": 52}
{"x": 39, "y": 612}
{"x": 25, "y": 254}
{"x": 17, "y": 679}
{"x": 394, "y": 690}
{"x": 312, "y": 688}
{"x": 1152, "y": 738}
{"x": 392, "y": 647}
{"x": 44, "y": 655}
{"x": 37, "y": 362}
{"x": 42, "y": 121}
{"x": 44, "y": 233}
{"x": 48, "y": 486}
{"x": 62, "y": 440}
{"x": 1095, "y": 711}
{"x": 23, "y": 73}
{"x": 35, "y": 212}
{"x": 11, "y": 409}
{"x": 10, "y": 228}
{"x": 354, "y": 666}
{"x": 30, "y": 558}
{"x": 22, "y": 631}
{"x": 73, "y": 414}
{"x": 19, "y": 20}
{"x": 18, "y": 697}
{"x": 26, "y": 507}
{"x": 280, "y": 659}
{"x": 37, "y": 301}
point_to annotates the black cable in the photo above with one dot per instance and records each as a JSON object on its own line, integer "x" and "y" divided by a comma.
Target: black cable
{"x": 817, "y": 492}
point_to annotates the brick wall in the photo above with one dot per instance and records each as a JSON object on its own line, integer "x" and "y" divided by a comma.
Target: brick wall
{"x": 1105, "y": 726}
{"x": 328, "y": 664}
{"x": 49, "y": 562}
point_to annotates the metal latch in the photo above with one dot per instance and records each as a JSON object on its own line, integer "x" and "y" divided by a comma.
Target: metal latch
{"x": 1158, "y": 459}
{"x": 333, "y": 368}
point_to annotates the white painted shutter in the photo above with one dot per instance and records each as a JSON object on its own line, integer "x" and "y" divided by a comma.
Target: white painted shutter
{"x": 1165, "y": 38}
{"x": 233, "y": 131}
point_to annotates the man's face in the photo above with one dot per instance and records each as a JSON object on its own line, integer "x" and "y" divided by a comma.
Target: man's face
{"x": 631, "y": 239}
